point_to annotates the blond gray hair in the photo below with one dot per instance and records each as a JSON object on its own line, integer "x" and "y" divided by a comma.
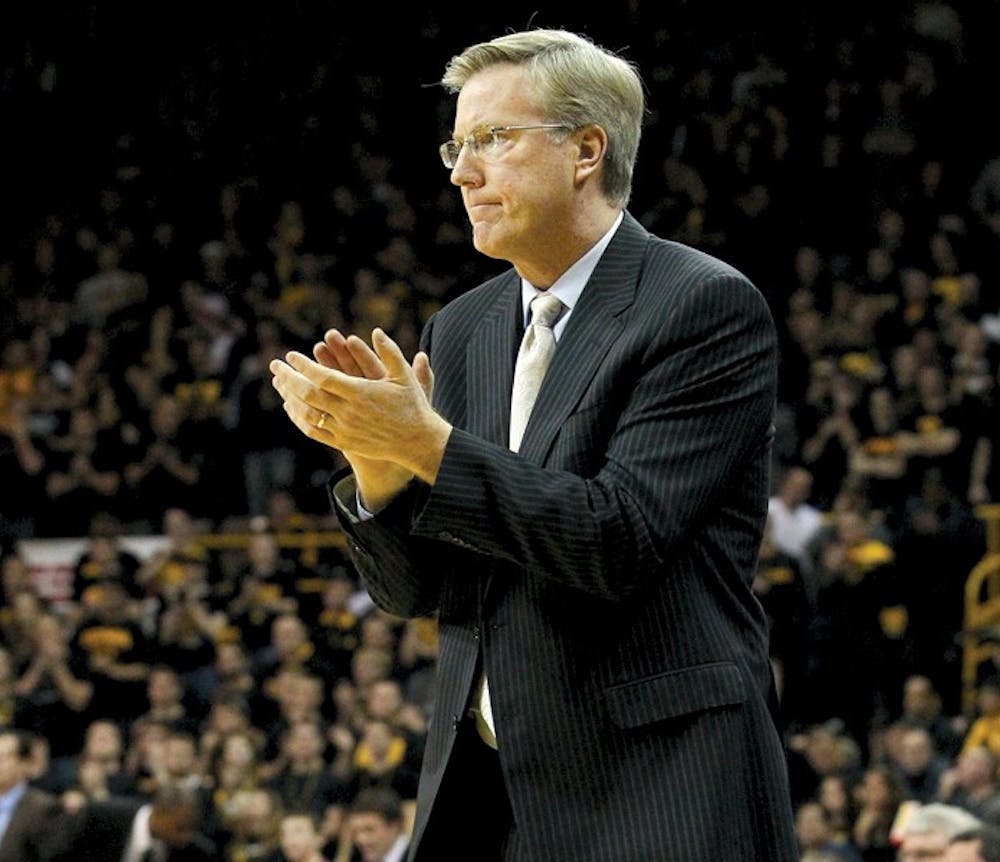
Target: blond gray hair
{"x": 576, "y": 83}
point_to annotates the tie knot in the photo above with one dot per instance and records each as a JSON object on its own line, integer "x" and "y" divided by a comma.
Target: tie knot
{"x": 545, "y": 309}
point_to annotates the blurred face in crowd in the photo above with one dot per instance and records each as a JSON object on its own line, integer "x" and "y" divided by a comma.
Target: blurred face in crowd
{"x": 964, "y": 851}
{"x": 300, "y": 841}
{"x": 12, "y": 768}
{"x": 372, "y": 834}
{"x": 922, "y": 846}
{"x": 919, "y": 698}
{"x": 916, "y": 750}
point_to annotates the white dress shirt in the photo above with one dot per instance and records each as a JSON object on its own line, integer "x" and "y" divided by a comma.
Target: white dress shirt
{"x": 140, "y": 840}
{"x": 398, "y": 850}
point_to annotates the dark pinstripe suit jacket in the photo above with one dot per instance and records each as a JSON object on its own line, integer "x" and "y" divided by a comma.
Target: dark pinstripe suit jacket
{"x": 603, "y": 573}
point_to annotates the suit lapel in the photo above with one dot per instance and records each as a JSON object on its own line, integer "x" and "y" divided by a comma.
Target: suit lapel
{"x": 589, "y": 334}
{"x": 16, "y": 825}
{"x": 490, "y": 365}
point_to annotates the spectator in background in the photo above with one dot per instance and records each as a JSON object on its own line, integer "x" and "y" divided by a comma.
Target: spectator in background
{"x": 879, "y": 796}
{"x": 83, "y": 472}
{"x": 816, "y": 838}
{"x": 22, "y": 462}
{"x": 295, "y": 696}
{"x": 22, "y": 606}
{"x": 54, "y": 689}
{"x": 300, "y": 837}
{"x": 377, "y": 826}
{"x": 31, "y": 820}
{"x": 416, "y": 664}
{"x": 938, "y": 543}
{"x": 820, "y": 752}
{"x": 922, "y": 707}
{"x": 859, "y": 626}
{"x": 830, "y": 434}
{"x": 168, "y": 565}
{"x": 165, "y": 465}
{"x": 89, "y": 784}
{"x": 305, "y": 782}
{"x": 385, "y": 756}
{"x": 254, "y": 827}
{"x": 973, "y": 784}
{"x": 337, "y": 630}
{"x": 117, "y": 655}
{"x": 920, "y": 764}
{"x": 880, "y": 458}
{"x": 291, "y": 648}
{"x": 9, "y": 705}
{"x": 929, "y": 829}
{"x": 836, "y": 796}
{"x": 268, "y": 458}
{"x": 795, "y": 521}
{"x": 186, "y": 623}
{"x": 985, "y": 728}
{"x": 384, "y": 700}
{"x": 125, "y": 828}
{"x": 166, "y": 700}
{"x": 976, "y": 845}
{"x": 261, "y": 591}
{"x": 104, "y": 559}
{"x": 103, "y": 748}
{"x": 229, "y": 676}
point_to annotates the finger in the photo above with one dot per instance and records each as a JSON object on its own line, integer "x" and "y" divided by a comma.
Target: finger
{"x": 365, "y": 358}
{"x": 335, "y": 345}
{"x": 296, "y": 389}
{"x": 424, "y": 374}
{"x": 287, "y": 381}
{"x": 324, "y": 356}
{"x": 313, "y": 423}
{"x": 312, "y": 374}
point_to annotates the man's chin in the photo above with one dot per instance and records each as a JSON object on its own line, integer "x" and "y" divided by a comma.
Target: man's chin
{"x": 485, "y": 240}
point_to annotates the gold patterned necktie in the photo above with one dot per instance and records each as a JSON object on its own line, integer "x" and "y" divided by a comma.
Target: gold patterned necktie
{"x": 533, "y": 358}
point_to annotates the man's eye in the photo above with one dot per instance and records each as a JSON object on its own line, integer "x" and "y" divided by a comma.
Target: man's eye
{"x": 482, "y": 139}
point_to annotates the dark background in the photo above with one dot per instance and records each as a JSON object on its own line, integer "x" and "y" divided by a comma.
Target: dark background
{"x": 202, "y": 93}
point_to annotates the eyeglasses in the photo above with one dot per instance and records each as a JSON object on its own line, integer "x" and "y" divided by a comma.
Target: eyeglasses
{"x": 487, "y": 142}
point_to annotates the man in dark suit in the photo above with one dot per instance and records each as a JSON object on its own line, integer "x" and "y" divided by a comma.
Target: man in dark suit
{"x": 29, "y": 818}
{"x": 164, "y": 829}
{"x": 604, "y": 687}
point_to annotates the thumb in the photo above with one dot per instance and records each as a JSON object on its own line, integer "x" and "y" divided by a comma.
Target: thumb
{"x": 424, "y": 374}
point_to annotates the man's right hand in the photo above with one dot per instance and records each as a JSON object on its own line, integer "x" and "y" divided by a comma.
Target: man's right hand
{"x": 378, "y": 481}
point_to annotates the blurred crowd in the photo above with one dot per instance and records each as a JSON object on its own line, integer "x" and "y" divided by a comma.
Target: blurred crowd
{"x": 234, "y": 197}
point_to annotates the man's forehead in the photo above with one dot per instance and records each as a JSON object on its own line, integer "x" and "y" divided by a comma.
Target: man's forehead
{"x": 495, "y": 96}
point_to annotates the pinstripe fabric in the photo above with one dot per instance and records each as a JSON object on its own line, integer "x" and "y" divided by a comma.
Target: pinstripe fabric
{"x": 626, "y": 654}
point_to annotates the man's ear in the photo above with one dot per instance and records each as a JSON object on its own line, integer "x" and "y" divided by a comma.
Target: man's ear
{"x": 593, "y": 147}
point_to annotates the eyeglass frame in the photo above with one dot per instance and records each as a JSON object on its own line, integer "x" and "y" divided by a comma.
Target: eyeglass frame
{"x": 445, "y": 149}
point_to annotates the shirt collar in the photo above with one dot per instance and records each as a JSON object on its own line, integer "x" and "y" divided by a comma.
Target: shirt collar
{"x": 571, "y": 283}
{"x": 9, "y": 800}
{"x": 398, "y": 850}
